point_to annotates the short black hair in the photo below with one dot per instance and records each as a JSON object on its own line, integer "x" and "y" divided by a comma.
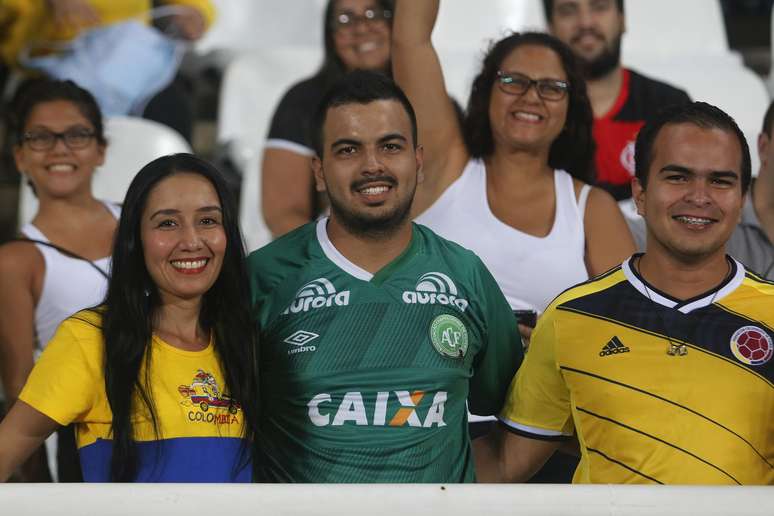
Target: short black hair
{"x": 768, "y": 120}
{"x": 359, "y": 87}
{"x": 42, "y": 90}
{"x": 573, "y": 149}
{"x": 548, "y": 6}
{"x": 700, "y": 114}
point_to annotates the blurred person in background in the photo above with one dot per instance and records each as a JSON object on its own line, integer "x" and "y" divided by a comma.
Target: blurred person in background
{"x": 512, "y": 184}
{"x": 622, "y": 99}
{"x": 160, "y": 378}
{"x": 59, "y": 142}
{"x": 357, "y": 37}
{"x": 751, "y": 242}
{"x": 45, "y": 23}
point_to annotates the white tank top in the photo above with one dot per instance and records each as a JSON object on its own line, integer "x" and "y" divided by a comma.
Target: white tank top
{"x": 530, "y": 270}
{"x": 69, "y": 285}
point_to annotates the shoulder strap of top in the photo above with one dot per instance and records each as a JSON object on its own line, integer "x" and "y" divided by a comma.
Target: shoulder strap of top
{"x": 582, "y": 199}
{"x": 63, "y": 251}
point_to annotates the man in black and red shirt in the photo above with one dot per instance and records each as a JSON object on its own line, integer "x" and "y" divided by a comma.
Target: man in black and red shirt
{"x": 622, "y": 99}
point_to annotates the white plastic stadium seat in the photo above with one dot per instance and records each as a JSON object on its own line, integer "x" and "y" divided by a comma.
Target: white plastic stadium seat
{"x": 672, "y": 27}
{"x": 469, "y": 25}
{"x": 132, "y": 143}
{"x": 252, "y": 86}
{"x": 732, "y": 87}
{"x": 252, "y": 25}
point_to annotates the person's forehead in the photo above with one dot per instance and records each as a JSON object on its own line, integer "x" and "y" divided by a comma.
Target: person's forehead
{"x": 694, "y": 146}
{"x": 536, "y": 61}
{"x": 354, "y": 6}
{"x": 367, "y": 121}
{"x": 557, "y": 3}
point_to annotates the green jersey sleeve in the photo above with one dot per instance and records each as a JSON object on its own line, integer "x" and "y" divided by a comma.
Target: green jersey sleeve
{"x": 501, "y": 354}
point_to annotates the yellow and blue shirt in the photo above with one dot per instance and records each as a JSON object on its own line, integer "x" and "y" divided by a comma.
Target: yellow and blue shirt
{"x": 657, "y": 390}
{"x": 199, "y": 432}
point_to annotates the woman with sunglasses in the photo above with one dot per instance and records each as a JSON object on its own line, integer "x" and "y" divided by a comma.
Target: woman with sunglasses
{"x": 357, "y": 37}
{"x": 511, "y": 184}
{"x": 61, "y": 264}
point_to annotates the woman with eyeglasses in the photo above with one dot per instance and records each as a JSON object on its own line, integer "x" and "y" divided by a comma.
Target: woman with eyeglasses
{"x": 357, "y": 37}
{"x": 60, "y": 263}
{"x": 511, "y": 184}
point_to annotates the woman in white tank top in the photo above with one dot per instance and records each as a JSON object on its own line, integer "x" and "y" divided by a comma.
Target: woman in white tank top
{"x": 59, "y": 143}
{"x": 510, "y": 183}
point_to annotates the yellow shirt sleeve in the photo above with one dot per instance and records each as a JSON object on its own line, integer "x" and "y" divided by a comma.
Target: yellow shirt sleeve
{"x": 65, "y": 382}
{"x": 538, "y": 401}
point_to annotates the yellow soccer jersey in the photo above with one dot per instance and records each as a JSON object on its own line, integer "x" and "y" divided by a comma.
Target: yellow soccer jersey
{"x": 199, "y": 430}
{"x": 657, "y": 390}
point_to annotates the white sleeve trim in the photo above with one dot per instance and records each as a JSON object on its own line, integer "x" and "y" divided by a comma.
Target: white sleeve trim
{"x": 275, "y": 143}
{"x": 533, "y": 430}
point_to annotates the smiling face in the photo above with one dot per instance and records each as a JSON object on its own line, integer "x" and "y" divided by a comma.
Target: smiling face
{"x": 60, "y": 171}
{"x": 369, "y": 167}
{"x": 528, "y": 122}
{"x": 183, "y": 237}
{"x": 693, "y": 197}
{"x": 362, "y": 44}
{"x": 592, "y": 29}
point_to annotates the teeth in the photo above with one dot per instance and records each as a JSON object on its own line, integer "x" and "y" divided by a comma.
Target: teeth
{"x": 530, "y": 117}
{"x": 188, "y": 264}
{"x": 366, "y": 47}
{"x": 696, "y": 221}
{"x": 61, "y": 167}
{"x": 374, "y": 190}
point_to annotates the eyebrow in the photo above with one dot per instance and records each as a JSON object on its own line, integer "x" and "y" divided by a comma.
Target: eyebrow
{"x": 385, "y": 138}
{"x": 717, "y": 174}
{"x": 172, "y": 211}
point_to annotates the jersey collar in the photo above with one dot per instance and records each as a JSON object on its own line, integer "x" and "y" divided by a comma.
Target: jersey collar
{"x": 355, "y": 270}
{"x": 730, "y": 284}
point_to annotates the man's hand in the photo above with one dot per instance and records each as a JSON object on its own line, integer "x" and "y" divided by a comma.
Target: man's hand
{"x": 187, "y": 24}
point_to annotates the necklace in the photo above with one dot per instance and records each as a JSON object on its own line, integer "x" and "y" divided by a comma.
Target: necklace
{"x": 679, "y": 348}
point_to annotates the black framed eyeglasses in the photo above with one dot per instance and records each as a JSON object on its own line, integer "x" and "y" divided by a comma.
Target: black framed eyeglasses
{"x": 348, "y": 19}
{"x": 42, "y": 139}
{"x": 517, "y": 84}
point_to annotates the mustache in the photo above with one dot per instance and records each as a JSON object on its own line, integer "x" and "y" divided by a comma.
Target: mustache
{"x": 360, "y": 183}
{"x": 586, "y": 32}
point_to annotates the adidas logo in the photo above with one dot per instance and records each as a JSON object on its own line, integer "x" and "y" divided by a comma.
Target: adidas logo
{"x": 613, "y": 347}
{"x": 435, "y": 288}
{"x": 317, "y": 294}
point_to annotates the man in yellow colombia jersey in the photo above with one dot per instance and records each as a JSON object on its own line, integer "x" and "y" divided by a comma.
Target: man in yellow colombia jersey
{"x": 662, "y": 367}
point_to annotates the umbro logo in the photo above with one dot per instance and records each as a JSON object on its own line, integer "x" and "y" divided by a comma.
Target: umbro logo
{"x": 300, "y": 339}
{"x": 613, "y": 347}
{"x": 435, "y": 288}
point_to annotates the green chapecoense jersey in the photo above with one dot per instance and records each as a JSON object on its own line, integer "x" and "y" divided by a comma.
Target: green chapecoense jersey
{"x": 365, "y": 377}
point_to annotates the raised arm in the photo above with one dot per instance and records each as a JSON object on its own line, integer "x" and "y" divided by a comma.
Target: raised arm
{"x": 608, "y": 239}
{"x": 502, "y": 456}
{"x": 287, "y": 190}
{"x": 417, "y": 70}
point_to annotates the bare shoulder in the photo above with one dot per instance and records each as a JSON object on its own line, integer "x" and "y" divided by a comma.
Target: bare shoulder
{"x": 20, "y": 259}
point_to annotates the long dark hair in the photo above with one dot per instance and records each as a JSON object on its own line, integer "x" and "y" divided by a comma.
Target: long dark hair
{"x": 132, "y": 301}
{"x": 332, "y": 67}
{"x": 573, "y": 149}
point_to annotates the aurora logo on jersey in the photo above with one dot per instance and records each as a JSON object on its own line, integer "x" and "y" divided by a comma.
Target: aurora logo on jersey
{"x": 751, "y": 345}
{"x": 317, "y": 293}
{"x": 403, "y": 407}
{"x": 435, "y": 288}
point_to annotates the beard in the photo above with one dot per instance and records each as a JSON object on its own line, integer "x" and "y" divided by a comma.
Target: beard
{"x": 373, "y": 226}
{"x": 604, "y": 63}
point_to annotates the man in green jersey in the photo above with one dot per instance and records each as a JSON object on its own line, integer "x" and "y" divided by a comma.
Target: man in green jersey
{"x": 375, "y": 332}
